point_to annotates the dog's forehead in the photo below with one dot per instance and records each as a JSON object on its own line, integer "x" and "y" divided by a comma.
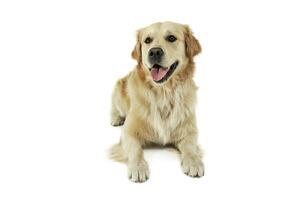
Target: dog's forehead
{"x": 163, "y": 28}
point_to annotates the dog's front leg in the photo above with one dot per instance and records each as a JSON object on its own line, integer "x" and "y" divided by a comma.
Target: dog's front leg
{"x": 138, "y": 170}
{"x": 191, "y": 156}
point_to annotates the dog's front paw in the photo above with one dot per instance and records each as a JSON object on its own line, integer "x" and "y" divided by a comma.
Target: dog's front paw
{"x": 192, "y": 166}
{"x": 117, "y": 120}
{"x": 138, "y": 172}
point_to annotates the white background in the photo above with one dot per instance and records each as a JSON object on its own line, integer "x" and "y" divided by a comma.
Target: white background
{"x": 58, "y": 63}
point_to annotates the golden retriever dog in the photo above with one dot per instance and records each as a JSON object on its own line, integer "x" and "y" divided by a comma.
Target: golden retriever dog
{"x": 156, "y": 101}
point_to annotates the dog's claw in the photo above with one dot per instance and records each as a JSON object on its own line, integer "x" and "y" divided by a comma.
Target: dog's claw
{"x": 193, "y": 168}
{"x": 119, "y": 121}
{"x": 138, "y": 173}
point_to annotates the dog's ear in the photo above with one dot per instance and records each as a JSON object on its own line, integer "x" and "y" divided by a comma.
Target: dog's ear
{"x": 193, "y": 46}
{"x": 136, "y": 53}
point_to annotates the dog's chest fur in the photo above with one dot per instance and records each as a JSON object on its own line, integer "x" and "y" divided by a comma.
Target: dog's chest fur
{"x": 167, "y": 109}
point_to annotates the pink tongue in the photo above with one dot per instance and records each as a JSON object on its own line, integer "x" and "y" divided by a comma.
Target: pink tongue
{"x": 158, "y": 73}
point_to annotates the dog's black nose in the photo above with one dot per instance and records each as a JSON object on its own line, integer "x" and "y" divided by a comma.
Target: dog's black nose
{"x": 155, "y": 55}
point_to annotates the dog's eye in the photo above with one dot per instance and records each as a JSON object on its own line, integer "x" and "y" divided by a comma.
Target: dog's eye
{"x": 171, "y": 38}
{"x": 148, "y": 40}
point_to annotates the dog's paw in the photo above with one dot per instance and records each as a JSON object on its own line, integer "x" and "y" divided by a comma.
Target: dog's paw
{"x": 117, "y": 121}
{"x": 138, "y": 172}
{"x": 192, "y": 166}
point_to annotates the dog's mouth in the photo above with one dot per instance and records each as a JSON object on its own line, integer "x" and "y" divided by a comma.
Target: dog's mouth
{"x": 160, "y": 73}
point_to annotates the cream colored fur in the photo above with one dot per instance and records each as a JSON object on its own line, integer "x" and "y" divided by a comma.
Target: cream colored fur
{"x": 158, "y": 113}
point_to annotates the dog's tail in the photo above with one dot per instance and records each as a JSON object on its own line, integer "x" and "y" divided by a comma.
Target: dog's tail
{"x": 116, "y": 153}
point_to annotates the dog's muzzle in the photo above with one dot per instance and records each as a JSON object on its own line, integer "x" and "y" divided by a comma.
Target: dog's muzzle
{"x": 155, "y": 55}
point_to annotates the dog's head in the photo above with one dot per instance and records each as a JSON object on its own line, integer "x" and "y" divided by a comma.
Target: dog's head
{"x": 164, "y": 50}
